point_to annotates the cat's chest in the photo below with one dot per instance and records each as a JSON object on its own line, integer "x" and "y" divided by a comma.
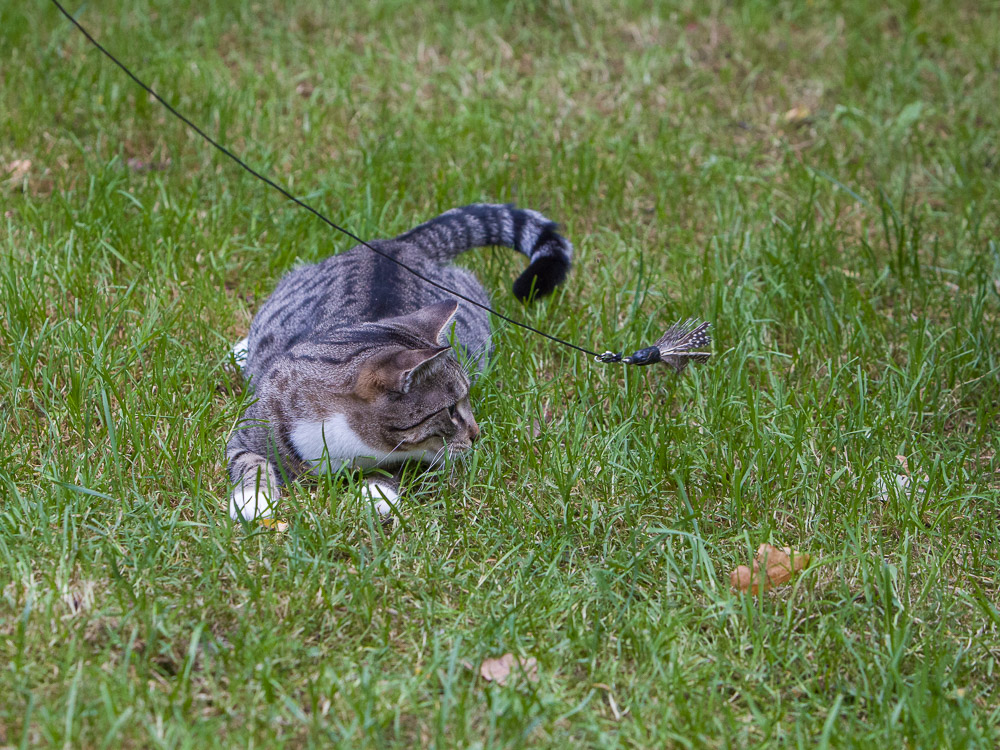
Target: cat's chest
{"x": 330, "y": 445}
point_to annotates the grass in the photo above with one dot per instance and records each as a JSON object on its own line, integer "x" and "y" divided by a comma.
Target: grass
{"x": 818, "y": 180}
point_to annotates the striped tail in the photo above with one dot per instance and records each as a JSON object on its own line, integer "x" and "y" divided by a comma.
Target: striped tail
{"x": 483, "y": 224}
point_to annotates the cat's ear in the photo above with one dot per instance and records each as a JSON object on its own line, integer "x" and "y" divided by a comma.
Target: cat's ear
{"x": 418, "y": 365}
{"x": 434, "y": 320}
{"x": 412, "y": 366}
{"x": 401, "y": 371}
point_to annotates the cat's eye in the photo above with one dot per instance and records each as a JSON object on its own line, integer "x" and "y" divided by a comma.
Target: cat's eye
{"x": 453, "y": 411}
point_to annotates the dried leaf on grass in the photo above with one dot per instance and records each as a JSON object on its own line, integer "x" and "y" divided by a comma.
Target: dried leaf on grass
{"x": 771, "y": 567}
{"x": 797, "y": 115}
{"x": 273, "y": 523}
{"x": 15, "y": 171}
{"x": 143, "y": 165}
{"x": 499, "y": 670}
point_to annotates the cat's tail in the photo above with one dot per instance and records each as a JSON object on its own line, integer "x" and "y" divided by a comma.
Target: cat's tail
{"x": 484, "y": 224}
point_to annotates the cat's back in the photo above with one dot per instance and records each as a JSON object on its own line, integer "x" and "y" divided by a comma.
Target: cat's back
{"x": 343, "y": 291}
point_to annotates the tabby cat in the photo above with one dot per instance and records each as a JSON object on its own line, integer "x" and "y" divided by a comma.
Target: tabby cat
{"x": 350, "y": 362}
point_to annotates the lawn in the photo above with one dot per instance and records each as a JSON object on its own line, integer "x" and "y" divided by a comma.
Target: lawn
{"x": 821, "y": 181}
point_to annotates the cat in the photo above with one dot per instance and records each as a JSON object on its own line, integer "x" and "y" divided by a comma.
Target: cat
{"x": 350, "y": 363}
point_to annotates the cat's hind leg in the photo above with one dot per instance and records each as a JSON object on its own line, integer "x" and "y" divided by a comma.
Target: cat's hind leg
{"x": 240, "y": 352}
{"x": 257, "y": 488}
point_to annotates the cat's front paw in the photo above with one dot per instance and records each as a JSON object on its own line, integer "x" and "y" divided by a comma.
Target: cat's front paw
{"x": 384, "y": 498}
{"x": 249, "y": 504}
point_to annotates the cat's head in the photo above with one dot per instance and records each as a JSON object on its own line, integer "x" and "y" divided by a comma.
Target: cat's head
{"x": 414, "y": 392}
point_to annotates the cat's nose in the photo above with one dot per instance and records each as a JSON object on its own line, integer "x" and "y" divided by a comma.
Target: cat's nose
{"x": 473, "y": 431}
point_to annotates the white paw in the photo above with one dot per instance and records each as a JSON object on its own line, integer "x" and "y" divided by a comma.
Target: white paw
{"x": 241, "y": 350}
{"x": 384, "y": 498}
{"x": 894, "y": 486}
{"x": 250, "y": 504}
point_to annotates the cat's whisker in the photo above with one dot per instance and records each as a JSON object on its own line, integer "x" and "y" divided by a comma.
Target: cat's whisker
{"x": 387, "y": 455}
{"x": 439, "y": 456}
{"x": 469, "y": 362}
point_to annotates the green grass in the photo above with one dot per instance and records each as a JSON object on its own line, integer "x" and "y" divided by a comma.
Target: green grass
{"x": 848, "y": 260}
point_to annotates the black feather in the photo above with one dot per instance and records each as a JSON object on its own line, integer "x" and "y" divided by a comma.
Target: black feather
{"x": 680, "y": 339}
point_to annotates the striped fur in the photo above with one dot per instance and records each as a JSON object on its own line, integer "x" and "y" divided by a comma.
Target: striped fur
{"x": 350, "y": 358}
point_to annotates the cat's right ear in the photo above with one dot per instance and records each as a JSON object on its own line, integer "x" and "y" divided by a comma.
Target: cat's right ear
{"x": 434, "y": 320}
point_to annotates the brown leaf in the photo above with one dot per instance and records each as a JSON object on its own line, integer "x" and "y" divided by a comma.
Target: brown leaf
{"x": 305, "y": 89}
{"x": 771, "y": 567}
{"x": 141, "y": 165}
{"x": 778, "y": 563}
{"x": 273, "y": 523}
{"x": 15, "y": 171}
{"x": 742, "y": 578}
{"x": 797, "y": 114}
{"x": 499, "y": 670}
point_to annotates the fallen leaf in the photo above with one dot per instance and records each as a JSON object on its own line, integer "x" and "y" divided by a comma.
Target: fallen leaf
{"x": 273, "y": 523}
{"x": 780, "y": 566}
{"x": 771, "y": 567}
{"x": 499, "y": 670}
{"x": 305, "y": 89}
{"x": 141, "y": 165}
{"x": 797, "y": 114}
{"x": 742, "y": 578}
{"x": 15, "y": 171}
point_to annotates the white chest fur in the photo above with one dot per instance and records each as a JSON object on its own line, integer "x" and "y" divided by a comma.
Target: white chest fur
{"x": 332, "y": 445}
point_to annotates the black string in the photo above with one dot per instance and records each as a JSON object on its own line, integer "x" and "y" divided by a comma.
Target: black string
{"x": 305, "y": 205}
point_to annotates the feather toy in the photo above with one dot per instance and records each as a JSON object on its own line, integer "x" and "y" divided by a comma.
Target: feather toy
{"x": 675, "y": 348}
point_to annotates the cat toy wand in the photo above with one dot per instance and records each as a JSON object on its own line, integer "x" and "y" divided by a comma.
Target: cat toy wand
{"x": 675, "y": 348}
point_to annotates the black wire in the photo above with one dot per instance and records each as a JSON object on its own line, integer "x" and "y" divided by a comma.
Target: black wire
{"x": 303, "y": 204}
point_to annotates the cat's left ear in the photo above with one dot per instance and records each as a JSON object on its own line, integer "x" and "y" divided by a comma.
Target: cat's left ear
{"x": 434, "y": 320}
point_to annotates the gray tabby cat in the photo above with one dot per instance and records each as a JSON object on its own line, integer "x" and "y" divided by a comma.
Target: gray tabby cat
{"x": 350, "y": 363}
